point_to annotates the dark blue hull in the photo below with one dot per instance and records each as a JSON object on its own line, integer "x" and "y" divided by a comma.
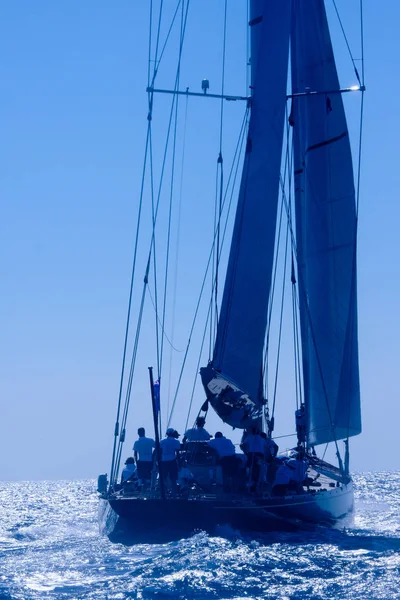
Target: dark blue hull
{"x": 181, "y": 517}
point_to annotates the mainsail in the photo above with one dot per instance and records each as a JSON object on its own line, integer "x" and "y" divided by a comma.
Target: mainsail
{"x": 233, "y": 381}
{"x": 325, "y": 232}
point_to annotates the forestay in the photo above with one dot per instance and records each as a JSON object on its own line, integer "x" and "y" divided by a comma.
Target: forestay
{"x": 325, "y": 232}
{"x": 243, "y": 317}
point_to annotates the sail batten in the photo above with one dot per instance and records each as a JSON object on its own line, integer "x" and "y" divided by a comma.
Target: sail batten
{"x": 326, "y": 232}
{"x": 243, "y": 317}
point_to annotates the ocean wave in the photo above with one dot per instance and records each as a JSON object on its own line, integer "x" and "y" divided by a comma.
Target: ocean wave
{"x": 50, "y": 548}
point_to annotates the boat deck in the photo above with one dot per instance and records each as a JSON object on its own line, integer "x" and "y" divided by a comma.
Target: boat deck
{"x": 321, "y": 481}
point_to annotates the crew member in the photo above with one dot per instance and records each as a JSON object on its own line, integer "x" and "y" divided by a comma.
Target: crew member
{"x": 282, "y": 480}
{"x": 225, "y": 450}
{"x": 143, "y": 453}
{"x": 129, "y": 471}
{"x": 299, "y": 466}
{"x": 300, "y": 416}
{"x": 169, "y": 465}
{"x": 198, "y": 433}
{"x": 255, "y": 447}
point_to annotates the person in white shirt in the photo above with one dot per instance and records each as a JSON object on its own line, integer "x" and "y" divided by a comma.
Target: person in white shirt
{"x": 143, "y": 453}
{"x": 222, "y": 445}
{"x": 129, "y": 471}
{"x": 198, "y": 433}
{"x": 169, "y": 465}
{"x": 299, "y": 468}
{"x": 226, "y": 458}
{"x": 282, "y": 480}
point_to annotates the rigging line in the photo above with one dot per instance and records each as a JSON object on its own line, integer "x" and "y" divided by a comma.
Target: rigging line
{"x": 166, "y": 40}
{"x": 236, "y": 158}
{"x": 150, "y": 96}
{"x": 227, "y": 293}
{"x": 359, "y": 157}
{"x": 278, "y": 241}
{"x": 214, "y": 261}
{"x": 294, "y": 339}
{"x": 295, "y": 295}
{"x": 235, "y": 248}
{"x": 190, "y": 334}
{"x": 133, "y": 361}
{"x": 209, "y": 313}
{"x": 239, "y": 145}
{"x": 275, "y": 267}
{"x": 307, "y": 309}
{"x": 171, "y": 191}
{"x": 152, "y": 188}
{"x": 361, "y": 114}
{"x": 362, "y": 41}
{"x": 154, "y": 256}
{"x": 158, "y": 38}
{"x": 280, "y": 321}
{"x": 234, "y": 172}
{"x": 149, "y": 117}
{"x": 297, "y": 372}
{"x": 347, "y": 42}
{"x": 127, "y": 400}
{"x": 223, "y": 77}
{"x": 220, "y": 160}
{"x": 279, "y": 437}
{"x": 133, "y": 271}
{"x": 285, "y": 174}
{"x": 351, "y": 318}
{"x": 221, "y": 192}
{"x": 294, "y": 303}
{"x": 356, "y": 223}
{"x": 310, "y": 323}
{"x": 158, "y": 345}
{"x": 326, "y": 448}
{"x": 150, "y": 39}
{"x": 152, "y": 245}
{"x": 159, "y": 321}
{"x": 177, "y": 250}
{"x": 297, "y": 337}
{"x": 248, "y": 57}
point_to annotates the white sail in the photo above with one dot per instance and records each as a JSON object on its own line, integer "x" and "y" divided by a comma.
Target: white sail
{"x": 243, "y": 317}
{"x": 326, "y": 232}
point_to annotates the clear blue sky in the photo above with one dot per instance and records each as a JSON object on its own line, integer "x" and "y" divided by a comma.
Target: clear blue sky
{"x": 73, "y": 120}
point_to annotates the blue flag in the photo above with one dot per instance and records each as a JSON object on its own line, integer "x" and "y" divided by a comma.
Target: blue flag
{"x": 156, "y": 391}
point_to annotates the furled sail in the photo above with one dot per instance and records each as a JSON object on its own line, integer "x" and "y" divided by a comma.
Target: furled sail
{"x": 233, "y": 380}
{"x": 325, "y": 232}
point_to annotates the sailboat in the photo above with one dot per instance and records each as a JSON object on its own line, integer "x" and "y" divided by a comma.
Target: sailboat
{"x": 290, "y": 40}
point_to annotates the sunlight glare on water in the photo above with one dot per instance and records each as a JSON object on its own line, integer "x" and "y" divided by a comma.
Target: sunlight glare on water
{"x": 50, "y": 548}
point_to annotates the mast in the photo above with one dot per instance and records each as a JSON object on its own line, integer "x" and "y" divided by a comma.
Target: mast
{"x": 156, "y": 433}
{"x": 326, "y": 232}
{"x": 233, "y": 380}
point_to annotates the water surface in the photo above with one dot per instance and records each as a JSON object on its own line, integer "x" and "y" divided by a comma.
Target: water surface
{"x": 50, "y": 548}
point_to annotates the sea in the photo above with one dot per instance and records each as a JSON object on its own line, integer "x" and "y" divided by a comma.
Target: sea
{"x": 51, "y": 548}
